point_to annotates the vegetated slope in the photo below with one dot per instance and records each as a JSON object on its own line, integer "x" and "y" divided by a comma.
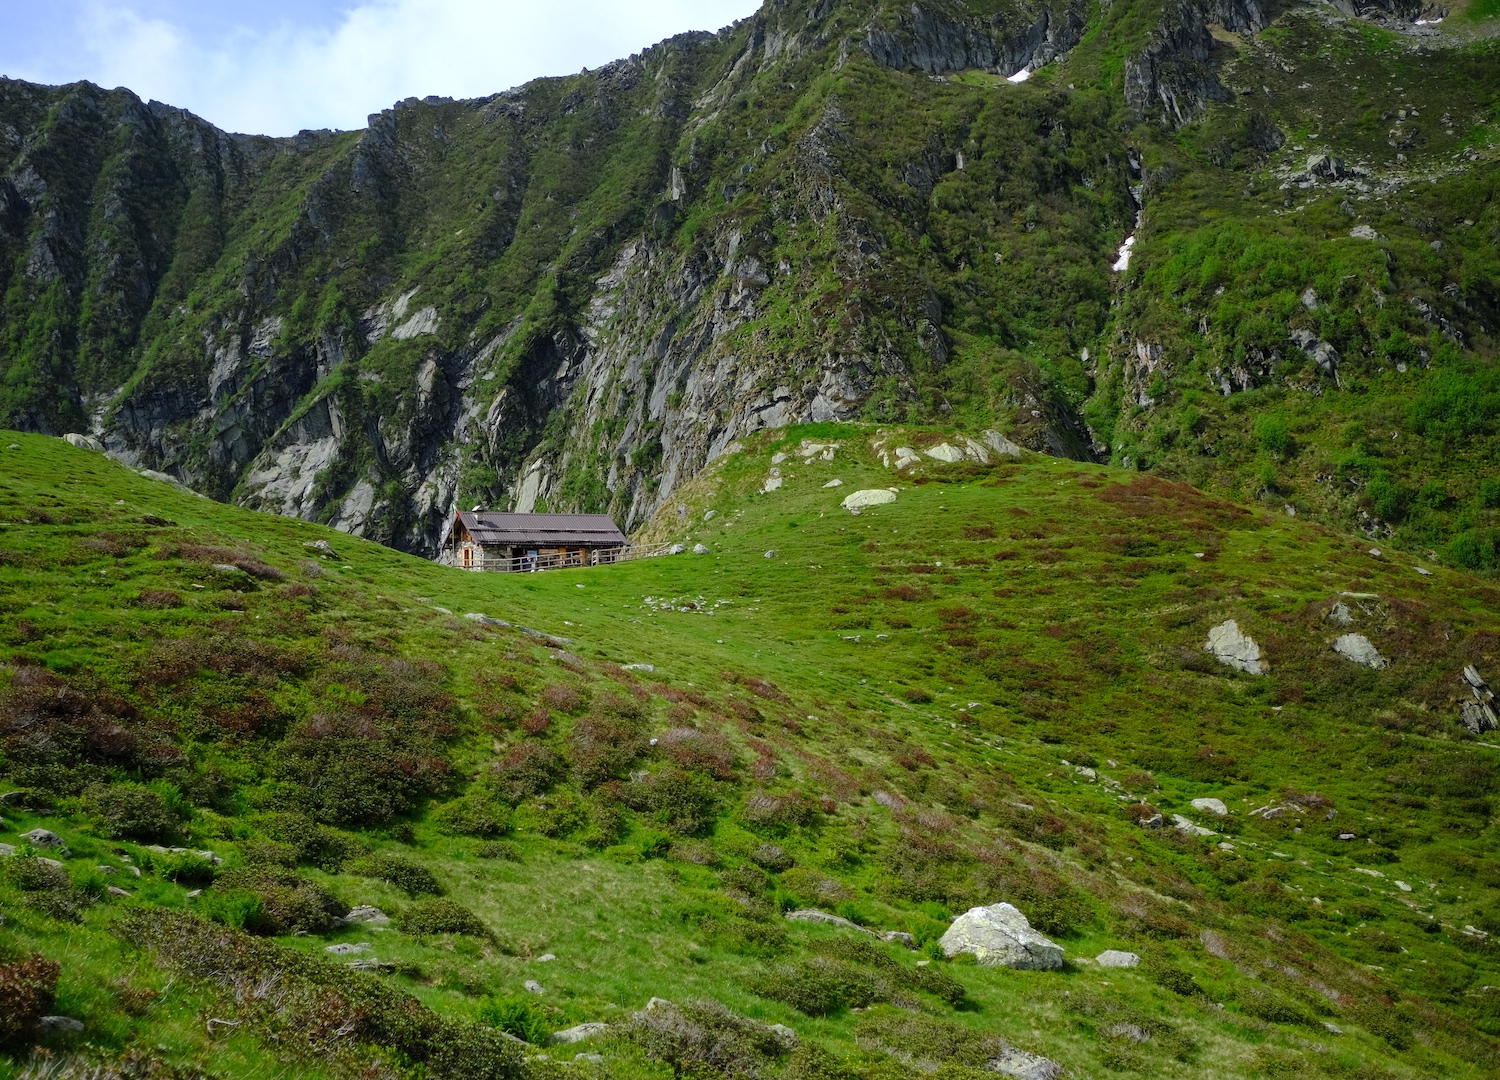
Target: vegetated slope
{"x": 575, "y": 294}
{"x": 975, "y": 694}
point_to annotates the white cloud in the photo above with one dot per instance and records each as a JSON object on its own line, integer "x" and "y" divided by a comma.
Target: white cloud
{"x": 377, "y": 53}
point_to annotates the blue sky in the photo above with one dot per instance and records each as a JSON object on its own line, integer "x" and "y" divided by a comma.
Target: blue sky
{"x": 276, "y": 66}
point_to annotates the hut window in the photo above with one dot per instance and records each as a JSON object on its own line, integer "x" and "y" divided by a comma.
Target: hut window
{"x": 468, "y": 557}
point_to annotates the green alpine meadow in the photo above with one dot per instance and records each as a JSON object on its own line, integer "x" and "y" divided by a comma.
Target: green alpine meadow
{"x": 1059, "y": 447}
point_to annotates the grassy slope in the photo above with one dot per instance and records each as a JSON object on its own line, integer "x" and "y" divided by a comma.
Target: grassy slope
{"x": 1062, "y": 625}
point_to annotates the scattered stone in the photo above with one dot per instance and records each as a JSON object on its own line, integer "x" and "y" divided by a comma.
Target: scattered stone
{"x": 1022, "y": 1065}
{"x": 1212, "y": 806}
{"x": 1364, "y": 232}
{"x": 84, "y": 442}
{"x": 1186, "y": 826}
{"x": 49, "y": 862}
{"x": 859, "y": 500}
{"x": 42, "y": 838}
{"x": 1001, "y": 445}
{"x": 581, "y": 1032}
{"x": 771, "y": 554}
{"x": 657, "y": 1003}
{"x": 370, "y": 963}
{"x": 192, "y": 895}
{"x": 1332, "y": 1028}
{"x": 1235, "y": 649}
{"x": 786, "y": 1035}
{"x": 1479, "y": 714}
{"x": 347, "y": 949}
{"x": 1375, "y": 552}
{"x": 946, "y": 452}
{"x": 1357, "y": 647}
{"x": 59, "y": 1025}
{"x": 1371, "y": 873}
{"x": 828, "y": 918}
{"x": 1403, "y": 886}
{"x": 700, "y": 549}
{"x": 676, "y": 549}
{"x": 1115, "y": 958}
{"x": 7, "y": 850}
{"x": 1424, "y": 571}
{"x": 772, "y": 483}
{"x": 1348, "y": 836}
{"x": 321, "y": 545}
{"x": 906, "y": 456}
{"x": 370, "y": 916}
{"x": 485, "y": 620}
{"x": 1155, "y": 821}
{"x": 115, "y": 890}
{"x": 1225, "y": 845}
{"x": 1340, "y": 614}
{"x": 107, "y": 870}
{"x": 900, "y": 935}
{"x": 649, "y": 669}
{"x": 545, "y": 958}
{"x": 534, "y": 987}
{"x": 1000, "y": 936}
{"x": 591, "y": 1059}
{"x": 710, "y": 515}
{"x": 227, "y": 568}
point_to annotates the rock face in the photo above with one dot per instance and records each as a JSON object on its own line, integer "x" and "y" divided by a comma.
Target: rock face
{"x": 1235, "y": 649}
{"x": 1357, "y": 647}
{"x": 1478, "y": 714}
{"x": 1000, "y": 936}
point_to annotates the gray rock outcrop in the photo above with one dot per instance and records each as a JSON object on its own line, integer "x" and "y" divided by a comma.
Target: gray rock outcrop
{"x": 1358, "y": 648}
{"x": 860, "y": 500}
{"x": 1478, "y": 714}
{"x": 1024, "y": 1065}
{"x": 1236, "y": 649}
{"x": 84, "y": 442}
{"x": 44, "y": 839}
{"x": 1000, "y": 936}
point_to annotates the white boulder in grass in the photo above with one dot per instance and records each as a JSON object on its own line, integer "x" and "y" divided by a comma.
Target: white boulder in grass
{"x": 869, "y": 497}
{"x": 1117, "y": 958}
{"x": 946, "y": 452}
{"x": 1000, "y": 936}
{"x": 1358, "y": 648}
{"x": 1235, "y": 649}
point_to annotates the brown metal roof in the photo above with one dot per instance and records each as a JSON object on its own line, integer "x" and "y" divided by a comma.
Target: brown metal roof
{"x": 543, "y": 530}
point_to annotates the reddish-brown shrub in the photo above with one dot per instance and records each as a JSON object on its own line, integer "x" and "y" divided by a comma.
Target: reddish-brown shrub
{"x": 28, "y": 991}
{"x": 528, "y": 769}
{"x": 562, "y": 697}
{"x": 536, "y": 721}
{"x": 158, "y": 599}
{"x": 705, "y": 751}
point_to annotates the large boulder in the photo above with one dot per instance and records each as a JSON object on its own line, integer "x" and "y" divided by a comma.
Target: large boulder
{"x": 1358, "y": 648}
{"x": 869, "y": 497}
{"x": 1234, "y": 648}
{"x": 1000, "y": 936}
{"x": 84, "y": 442}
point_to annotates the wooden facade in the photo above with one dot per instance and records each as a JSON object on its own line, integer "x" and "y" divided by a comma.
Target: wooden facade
{"x": 519, "y": 543}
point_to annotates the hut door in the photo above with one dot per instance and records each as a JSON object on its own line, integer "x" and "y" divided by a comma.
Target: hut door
{"x": 468, "y": 558}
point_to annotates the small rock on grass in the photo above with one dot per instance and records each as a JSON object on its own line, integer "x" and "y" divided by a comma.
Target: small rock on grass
{"x": 1213, "y": 806}
{"x": 1021, "y": 1065}
{"x": 579, "y": 1033}
{"x": 366, "y": 914}
{"x": 534, "y": 987}
{"x": 42, "y": 838}
{"x": 1116, "y": 958}
{"x": 50, "y": 1025}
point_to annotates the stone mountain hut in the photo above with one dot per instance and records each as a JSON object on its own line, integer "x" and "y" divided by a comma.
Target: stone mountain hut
{"x": 516, "y": 543}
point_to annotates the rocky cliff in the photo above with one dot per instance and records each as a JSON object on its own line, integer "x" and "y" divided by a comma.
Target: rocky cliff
{"x": 575, "y": 294}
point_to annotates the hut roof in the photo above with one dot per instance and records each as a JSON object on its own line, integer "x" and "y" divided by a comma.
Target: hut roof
{"x": 543, "y": 530}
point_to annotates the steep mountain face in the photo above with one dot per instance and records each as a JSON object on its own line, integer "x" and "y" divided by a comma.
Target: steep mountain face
{"x": 576, "y": 294}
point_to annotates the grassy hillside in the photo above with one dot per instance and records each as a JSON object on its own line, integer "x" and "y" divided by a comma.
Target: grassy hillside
{"x": 887, "y": 716}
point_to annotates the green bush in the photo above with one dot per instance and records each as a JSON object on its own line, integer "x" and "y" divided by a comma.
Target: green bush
{"x": 811, "y": 1062}
{"x": 821, "y": 986}
{"x": 129, "y": 811}
{"x": 472, "y": 815}
{"x": 1274, "y": 433}
{"x": 315, "y": 845}
{"x": 516, "y": 1016}
{"x": 271, "y": 901}
{"x": 1457, "y": 404}
{"x": 1171, "y": 977}
{"x": 704, "y": 1038}
{"x": 685, "y": 803}
{"x": 1264, "y": 1003}
{"x": 438, "y": 916}
{"x": 411, "y": 878}
{"x": 1476, "y": 549}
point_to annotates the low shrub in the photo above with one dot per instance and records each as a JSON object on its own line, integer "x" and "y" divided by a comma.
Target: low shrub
{"x": 528, "y": 769}
{"x": 706, "y": 1039}
{"x": 472, "y": 815}
{"x": 1171, "y": 977}
{"x": 28, "y": 990}
{"x": 924, "y": 1042}
{"x": 776, "y": 813}
{"x": 821, "y": 986}
{"x": 270, "y": 901}
{"x": 438, "y": 916}
{"x": 685, "y": 803}
{"x": 411, "y": 878}
{"x": 500, "y": 850}
{"x": 317, "y": 845}
{"x": 811, "y": 1062}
